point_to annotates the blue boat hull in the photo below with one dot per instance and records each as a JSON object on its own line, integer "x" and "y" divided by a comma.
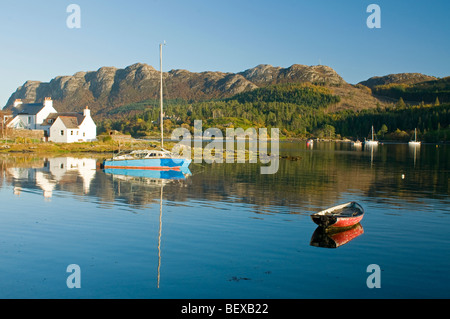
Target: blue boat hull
{"x": 148, "y": 164}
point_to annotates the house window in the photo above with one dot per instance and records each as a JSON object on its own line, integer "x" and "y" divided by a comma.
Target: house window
{"x": 62, "y": 132}
{"x": 71, "y": 132}
{"x": 29, "y": 119}
{"x": 84, "y": 134}
{"x": 77, "y": 132}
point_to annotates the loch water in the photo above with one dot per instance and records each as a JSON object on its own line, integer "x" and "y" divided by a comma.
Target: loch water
{"x": 226, "y": 230}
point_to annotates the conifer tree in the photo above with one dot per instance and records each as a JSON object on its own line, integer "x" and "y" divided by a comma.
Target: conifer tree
{"x": 436, "y": 103}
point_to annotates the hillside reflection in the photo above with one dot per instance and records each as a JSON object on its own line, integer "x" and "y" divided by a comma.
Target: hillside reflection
{"x": 320, "y": 177}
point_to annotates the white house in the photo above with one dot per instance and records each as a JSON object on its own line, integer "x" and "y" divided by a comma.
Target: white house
{"x": 30, "y": 115}
{"x": 71, "y": 127}
{"x": 66, "y": 127}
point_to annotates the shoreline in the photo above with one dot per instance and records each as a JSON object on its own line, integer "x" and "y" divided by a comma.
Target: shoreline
{"x": 104, "y": 148}
{"x": 72, "y": 148}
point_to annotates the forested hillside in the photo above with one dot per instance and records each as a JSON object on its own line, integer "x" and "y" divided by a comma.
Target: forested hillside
{"x": 302, "y": 101}
{"x": 426, "y": 92}
{"x": 298, "y": 110}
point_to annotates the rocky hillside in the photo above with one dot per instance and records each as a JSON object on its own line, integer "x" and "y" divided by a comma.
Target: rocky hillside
{"x": 399, "y": 78}
{"x": 108, "y": 88}
{"x": 265, "y": 74}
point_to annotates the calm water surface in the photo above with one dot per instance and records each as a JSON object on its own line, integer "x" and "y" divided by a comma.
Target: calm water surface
{"x": 227, "y": 231}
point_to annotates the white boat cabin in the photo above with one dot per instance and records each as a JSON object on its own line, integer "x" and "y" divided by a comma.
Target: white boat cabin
{"x": 141, "y": 154}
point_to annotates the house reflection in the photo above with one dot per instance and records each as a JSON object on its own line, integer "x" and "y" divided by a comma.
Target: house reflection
{"x": 55, "y": 171}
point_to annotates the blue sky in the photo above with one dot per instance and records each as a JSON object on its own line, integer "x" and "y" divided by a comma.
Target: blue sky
{"x": 228, "y": 36}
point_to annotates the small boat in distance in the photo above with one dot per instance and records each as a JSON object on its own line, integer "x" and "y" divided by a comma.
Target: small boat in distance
{"x": 357, "y": 143}
{"x": 415, "y": 142}
{"x": 150, "y": 159}
{"x": 344, "y": 215}
{"x": 372, "y": 141}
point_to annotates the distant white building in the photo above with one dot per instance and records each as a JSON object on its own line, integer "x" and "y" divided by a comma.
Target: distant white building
{"x": 65, "y": 127}
{"x": 71, "y": 127}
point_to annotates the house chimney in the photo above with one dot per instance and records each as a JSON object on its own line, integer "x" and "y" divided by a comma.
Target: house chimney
{"x": 87, "y": 112}
{"x": 17, "y": 102}
{"x": 48, "y": 101}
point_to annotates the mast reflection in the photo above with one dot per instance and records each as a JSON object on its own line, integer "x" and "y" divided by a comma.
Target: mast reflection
{"x": 155, "y": 178}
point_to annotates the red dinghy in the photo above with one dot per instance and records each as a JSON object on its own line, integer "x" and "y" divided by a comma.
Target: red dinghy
{"x": 345, "y": 215}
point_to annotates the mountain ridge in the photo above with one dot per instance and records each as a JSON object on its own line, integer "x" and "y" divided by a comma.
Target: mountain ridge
{"x": 109, "y": 87}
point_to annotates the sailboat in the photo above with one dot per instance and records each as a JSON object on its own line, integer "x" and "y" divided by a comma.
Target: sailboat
{"x": 415, "y": 142}
{"x": 150, "y": 159}
{"x": 372, "y": 141}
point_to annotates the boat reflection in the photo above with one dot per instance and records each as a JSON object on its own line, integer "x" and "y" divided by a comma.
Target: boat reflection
{"x": 414, "y": 149}
{"x": 327, "y": 238}
{"x": 148, "y": 175}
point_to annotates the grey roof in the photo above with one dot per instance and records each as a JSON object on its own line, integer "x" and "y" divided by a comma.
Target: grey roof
{"x": 28, "y": 108}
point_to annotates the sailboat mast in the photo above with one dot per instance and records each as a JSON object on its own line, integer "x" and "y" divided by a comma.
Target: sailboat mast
{"x": 372, "y": 132}
{"x": 161, "y": 119}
